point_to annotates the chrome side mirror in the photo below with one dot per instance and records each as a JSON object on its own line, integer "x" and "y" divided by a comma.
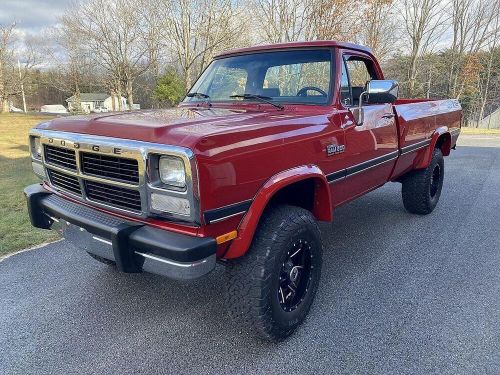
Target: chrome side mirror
{"x": 378, "y": 91}
{"x": 382, "y": 91}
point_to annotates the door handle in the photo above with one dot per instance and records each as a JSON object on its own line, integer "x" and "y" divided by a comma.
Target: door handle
{"x": 388, "y": 115}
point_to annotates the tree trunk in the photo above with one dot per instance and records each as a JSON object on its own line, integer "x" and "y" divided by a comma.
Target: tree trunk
{"x": 412, "y": 74}
{"x": 3, "y": 100}
{"x": 5, "y": 106}
{"x": 130, "y": 94}
{"x": 113, "y": 101}
{"x": 187, "y": 75}
{"x": 119, "y": 95}
{"x": 77, "y": 102}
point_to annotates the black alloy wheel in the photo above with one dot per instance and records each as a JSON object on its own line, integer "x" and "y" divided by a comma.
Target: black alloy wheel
{"x": 295, "y": 275}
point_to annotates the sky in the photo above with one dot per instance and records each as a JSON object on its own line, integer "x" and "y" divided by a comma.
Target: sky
{"x": 31, "y": 16}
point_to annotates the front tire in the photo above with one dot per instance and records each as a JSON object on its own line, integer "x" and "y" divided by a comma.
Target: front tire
{"x": 271, "y": 289}
{"x": 422, "y": 188}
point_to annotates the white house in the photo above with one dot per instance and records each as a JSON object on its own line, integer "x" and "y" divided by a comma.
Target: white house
{"x": 90, "y": 101}
{"x": 108, "y": 103}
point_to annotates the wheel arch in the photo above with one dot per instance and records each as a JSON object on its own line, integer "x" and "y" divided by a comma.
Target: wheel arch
{"x": 278, "y": 187}
{"x": 441, "y": 138}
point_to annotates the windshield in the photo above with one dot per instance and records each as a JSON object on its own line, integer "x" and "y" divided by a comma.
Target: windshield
{"x": 298, "y": 77}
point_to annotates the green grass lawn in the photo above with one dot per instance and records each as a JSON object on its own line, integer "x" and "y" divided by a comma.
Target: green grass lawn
{"x": 16, "y": 231}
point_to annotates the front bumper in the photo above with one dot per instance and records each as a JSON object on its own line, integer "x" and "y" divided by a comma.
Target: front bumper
{"x": 134, "y": 247}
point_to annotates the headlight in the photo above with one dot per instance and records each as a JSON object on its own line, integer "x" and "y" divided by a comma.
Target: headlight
{"x": 172, "y": 171}
{"x": 36, "y": 147}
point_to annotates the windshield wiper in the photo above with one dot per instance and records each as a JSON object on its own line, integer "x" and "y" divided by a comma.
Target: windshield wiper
{"x": 262, "y": 98}
{"x": 200, "y": 95}
{"x": 197, "y": 95}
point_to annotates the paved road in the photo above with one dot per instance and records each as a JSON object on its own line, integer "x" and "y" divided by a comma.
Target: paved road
{"x": 400, "y": 294}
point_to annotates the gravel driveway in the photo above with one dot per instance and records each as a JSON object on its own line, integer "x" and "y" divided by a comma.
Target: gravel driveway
{"x": 399, "y": 294}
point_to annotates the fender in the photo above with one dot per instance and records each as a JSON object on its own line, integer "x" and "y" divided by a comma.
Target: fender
{"x": 439, "y": 133}
{"x": 322, "y": 209}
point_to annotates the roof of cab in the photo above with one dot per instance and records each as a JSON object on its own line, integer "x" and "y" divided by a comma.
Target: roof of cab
{"x": 316, "y": 43}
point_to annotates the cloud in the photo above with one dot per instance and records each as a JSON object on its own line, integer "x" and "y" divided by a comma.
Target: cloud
{"x": 32, "y": 16}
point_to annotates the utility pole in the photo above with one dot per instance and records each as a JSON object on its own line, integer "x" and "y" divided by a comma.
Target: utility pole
{"x": 22, "y": 84}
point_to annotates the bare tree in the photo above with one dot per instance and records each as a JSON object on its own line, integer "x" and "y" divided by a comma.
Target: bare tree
{"x": 335, "y": 19}
{"x": 471, "y": 22}
{"x": 423, "y": 19}
{"x": 13, "y": 74}
{"x": 70, "y": 63}
{"x": 196, "y": 30}
{"x": 379, "y": 27}
{"x": 283, "y": 21}
{"x": 485, "y": 84}
{"x": 118, "y": 34}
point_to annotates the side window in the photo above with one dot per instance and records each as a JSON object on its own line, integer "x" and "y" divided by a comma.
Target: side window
{"x": 360, "y": 72}
{"x": 345, "y": 89}
{"x": 227, "y": 81}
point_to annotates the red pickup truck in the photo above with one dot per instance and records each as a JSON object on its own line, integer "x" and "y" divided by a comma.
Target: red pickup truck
{"x": 269, "y": 141}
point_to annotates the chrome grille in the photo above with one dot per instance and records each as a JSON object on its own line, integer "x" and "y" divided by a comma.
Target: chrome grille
{"x": 127, "y": 199}
{"x": 64, "y": 182}
{"x": 112, "y": 167}
{"x": 118, "y": 180}
{"x": 61, "y": 157}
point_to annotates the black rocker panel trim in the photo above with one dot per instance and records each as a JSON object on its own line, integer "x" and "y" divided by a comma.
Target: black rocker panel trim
{"x": 218, "y": 214}
{"x": 343, "y": 173}
{"x": 371, "y": 163}
{"x": 415, "y": 146}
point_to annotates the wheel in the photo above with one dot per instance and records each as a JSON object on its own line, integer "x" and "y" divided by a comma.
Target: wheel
{"x": 102, "y": 260}
{"x": 271, "y": 289}
{"x": 422, "y": 188}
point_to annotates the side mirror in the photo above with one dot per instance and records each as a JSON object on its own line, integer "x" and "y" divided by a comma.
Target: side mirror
{"x": 378, "y": 91}
{"x": 382, "y": 91}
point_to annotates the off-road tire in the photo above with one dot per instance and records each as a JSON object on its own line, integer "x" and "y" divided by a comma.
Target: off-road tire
{"x": 103, "y": 260}
{"x": 421, "y": 189}
{"x": 254, "y": 281}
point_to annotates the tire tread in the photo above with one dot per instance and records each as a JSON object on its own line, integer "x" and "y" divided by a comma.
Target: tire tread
{"x": 249, "y": 278}
{"x": 415, "y": 187}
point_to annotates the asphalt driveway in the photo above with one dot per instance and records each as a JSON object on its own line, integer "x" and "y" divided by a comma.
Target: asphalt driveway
{"x": 399, "y": 294}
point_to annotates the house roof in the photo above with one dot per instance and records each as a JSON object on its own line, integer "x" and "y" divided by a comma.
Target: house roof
{"x": 89, "y": 97}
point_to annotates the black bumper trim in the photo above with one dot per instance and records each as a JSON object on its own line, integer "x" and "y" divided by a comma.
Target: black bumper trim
{"x": 126, "y": 237}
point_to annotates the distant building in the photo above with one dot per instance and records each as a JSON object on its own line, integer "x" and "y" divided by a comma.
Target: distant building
{"x": 90, "y": 101}
{"x": 492, "y": 121}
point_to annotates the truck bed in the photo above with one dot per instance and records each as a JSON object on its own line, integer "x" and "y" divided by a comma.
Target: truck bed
{"x": 418, "y": 121}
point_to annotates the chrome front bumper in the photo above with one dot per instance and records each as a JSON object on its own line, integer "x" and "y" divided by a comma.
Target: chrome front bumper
{"x": 134, "y": 247}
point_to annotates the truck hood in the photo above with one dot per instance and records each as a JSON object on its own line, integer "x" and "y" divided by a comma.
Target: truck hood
{"x": 201, "y": 129}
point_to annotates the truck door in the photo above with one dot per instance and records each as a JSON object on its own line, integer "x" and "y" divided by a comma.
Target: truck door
{"x": 370, "y": 148}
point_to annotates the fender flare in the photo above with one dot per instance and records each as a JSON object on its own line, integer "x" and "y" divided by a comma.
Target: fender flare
{"x": 426, "y": 158}
{"x": 322, "y": 209}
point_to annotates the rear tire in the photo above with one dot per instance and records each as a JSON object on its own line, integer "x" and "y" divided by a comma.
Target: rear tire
{"x": 271, "y": 289}
{"x": 422, "y": 188}
{"x": 103, "y": 260}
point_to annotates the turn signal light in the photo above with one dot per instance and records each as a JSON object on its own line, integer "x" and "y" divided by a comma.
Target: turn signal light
{"x": 226, "y": 237}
